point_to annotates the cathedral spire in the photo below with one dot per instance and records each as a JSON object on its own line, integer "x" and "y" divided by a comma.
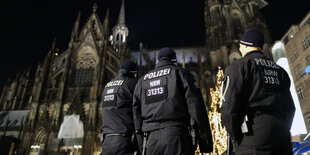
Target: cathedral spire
{"x": 77, "y": 22}
{"x": 120, "y": 31}
{"x": 75, "y": 29}
{"x": 106, "y": 23}
{"x": 106, "y": 19}
{"x": 54, "y": 44}
{"x": 121, "y": 16}
{"x": 95, "y": 7}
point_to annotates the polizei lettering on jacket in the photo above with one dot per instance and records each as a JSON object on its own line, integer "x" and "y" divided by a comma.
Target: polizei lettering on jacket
{"x": 108, "y": 98}
{"x": 157, "y": 74}
{"x": 266, "y": 63}
{"x": 115, "y": 83}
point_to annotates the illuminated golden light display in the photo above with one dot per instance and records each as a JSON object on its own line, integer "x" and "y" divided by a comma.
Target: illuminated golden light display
{"x": 219, "y": 133}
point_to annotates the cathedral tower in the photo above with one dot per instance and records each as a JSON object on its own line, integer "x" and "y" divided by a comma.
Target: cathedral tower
{"x": 120, "y": 31}
{"x": 65, "y": 108}
{"x": 226, "y": 21}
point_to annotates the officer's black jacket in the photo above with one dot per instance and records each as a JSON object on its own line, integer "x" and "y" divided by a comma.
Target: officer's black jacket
{"x": 117, "y": 104}
{"x": 167, "y": 96}
{"x": 255, "y": 83}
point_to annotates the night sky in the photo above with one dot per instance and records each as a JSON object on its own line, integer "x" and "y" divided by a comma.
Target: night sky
{"x": 28, "y": 27}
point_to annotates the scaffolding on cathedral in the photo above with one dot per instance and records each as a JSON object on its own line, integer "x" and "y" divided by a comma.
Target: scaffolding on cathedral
{"x": 219, "y": 133}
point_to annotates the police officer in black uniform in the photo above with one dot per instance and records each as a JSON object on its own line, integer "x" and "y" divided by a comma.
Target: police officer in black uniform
{"x": 164, "y": 101}
{"x": 257, "y": 105}
{"x": 117, "y": 111}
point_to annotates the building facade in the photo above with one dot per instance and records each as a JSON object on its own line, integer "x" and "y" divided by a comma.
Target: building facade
{"x": 298, "y": 129}
{"x": 297, "y": 47}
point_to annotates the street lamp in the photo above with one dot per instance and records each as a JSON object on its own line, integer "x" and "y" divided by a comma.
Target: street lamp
{"x": 77, "y": 148}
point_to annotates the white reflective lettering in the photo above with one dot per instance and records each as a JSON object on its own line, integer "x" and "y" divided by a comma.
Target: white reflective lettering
{"x": 157, "y": 74}
{"x": 266, "y": 63}
{"x": 115, "y": 83}
{"x": 108, "y": 98}
{"x": 109, "y": 91}
{"x": 154, "y": 83}
{"x": 155, "y": 91}
{"x": 271, "y": 72}
{"x": 271, "y": 80}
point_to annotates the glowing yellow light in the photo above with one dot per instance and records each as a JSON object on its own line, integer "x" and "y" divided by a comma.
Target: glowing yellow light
{"x": 219, "y": 133}
{"x": 56, "y": 54}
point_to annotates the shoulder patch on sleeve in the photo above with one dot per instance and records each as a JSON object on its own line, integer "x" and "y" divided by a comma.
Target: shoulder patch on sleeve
{"x": 224, "y": 87}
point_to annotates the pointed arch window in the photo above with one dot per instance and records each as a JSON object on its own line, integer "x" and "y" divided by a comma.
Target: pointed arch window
{"x": 117, "y": 37}
{"x": 237, "y": 25}
{"x": 84, "y": 70}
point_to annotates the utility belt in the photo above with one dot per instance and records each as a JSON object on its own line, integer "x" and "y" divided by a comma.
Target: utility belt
{"x": 134, "y": 144}
{"x": 147, "y": 133}
{"x": 256, "y": 113}
{"x": 246, "y": 126}
{"x": 126, "y": 135}
{"x": 164, "y": 126}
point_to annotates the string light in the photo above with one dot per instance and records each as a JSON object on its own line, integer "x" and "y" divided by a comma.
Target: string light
{"x": 219, "y": 133}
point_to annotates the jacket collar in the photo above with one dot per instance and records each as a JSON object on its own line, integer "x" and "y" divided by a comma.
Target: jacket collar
{"x": 124, "y": 73}
{"x": 163, "y": 63}
{"x": 252, "y": 52}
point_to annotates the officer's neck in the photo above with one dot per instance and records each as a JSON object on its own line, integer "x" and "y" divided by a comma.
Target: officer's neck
{"x": 249, "y": 49}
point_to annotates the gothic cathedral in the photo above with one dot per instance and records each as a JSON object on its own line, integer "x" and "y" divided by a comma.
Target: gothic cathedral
{"x": 57, "y": 110}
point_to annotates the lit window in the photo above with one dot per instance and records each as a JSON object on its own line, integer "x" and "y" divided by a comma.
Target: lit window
{"x": 304, "y": 44}
{"x": 300, "y": 93}
{"x": 301, "y": 71}
{"x": 298, "y": 72}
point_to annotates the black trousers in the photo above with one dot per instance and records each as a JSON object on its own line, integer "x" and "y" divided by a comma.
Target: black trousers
{"x": 169, "y": 141}
{"x": 117, "y": 145}
{"x": 271, "y": 136}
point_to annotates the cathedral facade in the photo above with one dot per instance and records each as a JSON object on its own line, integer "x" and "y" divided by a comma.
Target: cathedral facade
{"x": 70, "y": 84}
{"x": 64, "y": 103}
{"x": 225, "y": 22}
{"x": 63, "y": 97}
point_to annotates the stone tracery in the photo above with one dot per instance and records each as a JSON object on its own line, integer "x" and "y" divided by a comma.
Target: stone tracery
{"x": 86, "y": 61}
